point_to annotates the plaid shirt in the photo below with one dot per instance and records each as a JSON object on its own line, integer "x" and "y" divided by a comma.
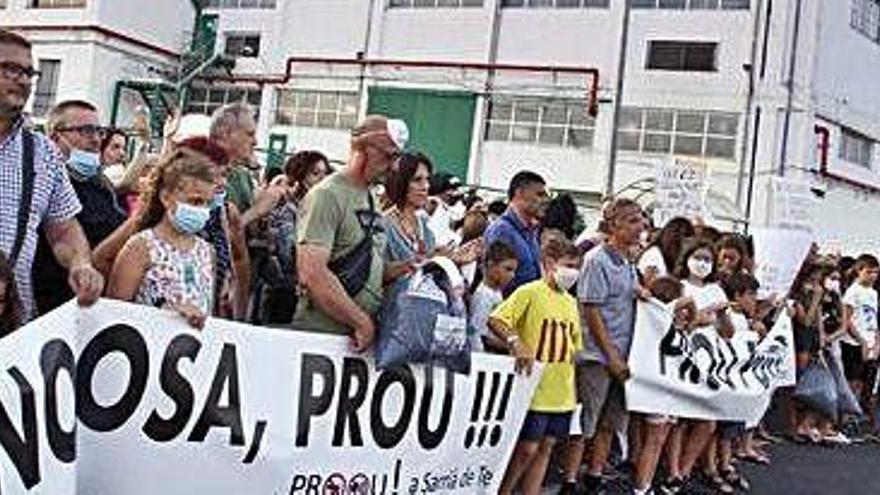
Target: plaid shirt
{"x": 53, "y": 200}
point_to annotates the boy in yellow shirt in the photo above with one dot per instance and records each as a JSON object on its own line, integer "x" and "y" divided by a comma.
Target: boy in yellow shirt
{"x": 540, "y": 321}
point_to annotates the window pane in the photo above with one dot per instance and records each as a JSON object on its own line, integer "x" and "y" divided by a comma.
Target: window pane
{"x": 580, "y": 138}
{"x": 524, "y": 133}
{"x": 628, "y": 141}
{"x": 735, "y": 4}
{"x": 688, "y": 145}
{"x": 307, "y": 100}
{"x": 552, "y": 135}
{"x": 724, "y": 124}
{"x": 704, "y": 4}
{"x": 690, "y": 122}
{"x": 198, "y": 94}
{"x": 659, "y": 120}
{"x": 630, "y": 118}
{"x": 347, "y": 121}
{"x": 497, "y": 131}
{"x": 525, "y": 113}
{"x": 217, "y": 96}
{"x": 447, "y": 3}
{"x": 555, "y": 114}
{"x": 284, "y": 116}
{"x": 579, "y": 117}
{"x": 672, "y": 4}
{"x": 254, "y": 97}
{"x": 327, "y": 119}
{"x": 568, "y": 3}
{"x": 657, "y": 143}
{"x": 305, "y": 118}
{"x": 644, "y": 4}
{"x": 500, "y": 111}
{"x": 720, "y": 148}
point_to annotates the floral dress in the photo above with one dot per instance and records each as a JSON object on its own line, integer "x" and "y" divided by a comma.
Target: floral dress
{"x": 177, "y": 276}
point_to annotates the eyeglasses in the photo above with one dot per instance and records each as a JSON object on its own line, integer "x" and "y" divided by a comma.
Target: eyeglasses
{"x": 87, "y": 130}
{"x": 11, "y": 70}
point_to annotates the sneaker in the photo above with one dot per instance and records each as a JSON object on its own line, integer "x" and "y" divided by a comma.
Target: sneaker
{"x": 837, "y": 439}
{"x": 671, "y": 486}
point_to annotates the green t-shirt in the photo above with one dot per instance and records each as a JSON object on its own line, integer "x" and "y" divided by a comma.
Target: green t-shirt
{"x": 240, "y": 188}
{"x": 329, "y": 219}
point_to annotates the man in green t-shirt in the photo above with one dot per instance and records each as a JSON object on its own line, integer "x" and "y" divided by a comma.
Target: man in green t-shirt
{"x": 335, "y": 216}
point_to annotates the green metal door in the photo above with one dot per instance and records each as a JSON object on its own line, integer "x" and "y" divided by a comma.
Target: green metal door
{"x": 440, "y": 123}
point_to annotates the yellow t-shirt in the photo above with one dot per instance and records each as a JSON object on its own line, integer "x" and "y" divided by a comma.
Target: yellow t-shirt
{"x": 548, "y": 323}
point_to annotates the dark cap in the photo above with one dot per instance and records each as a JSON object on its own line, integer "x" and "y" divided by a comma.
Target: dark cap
{"x": 442, "y": 182}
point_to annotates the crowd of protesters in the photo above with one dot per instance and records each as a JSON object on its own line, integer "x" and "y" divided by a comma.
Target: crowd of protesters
{"x": 193, "y": 226}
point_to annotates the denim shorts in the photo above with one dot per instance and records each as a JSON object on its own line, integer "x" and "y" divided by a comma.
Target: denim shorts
{"x": 540, "y": 425}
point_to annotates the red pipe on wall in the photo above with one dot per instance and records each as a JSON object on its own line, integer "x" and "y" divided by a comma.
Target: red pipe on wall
{"x": 590, "y": 72}
{"x": 824, "y": 146}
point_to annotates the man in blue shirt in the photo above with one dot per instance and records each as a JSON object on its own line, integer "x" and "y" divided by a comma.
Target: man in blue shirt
{"x": 519, "y": 226}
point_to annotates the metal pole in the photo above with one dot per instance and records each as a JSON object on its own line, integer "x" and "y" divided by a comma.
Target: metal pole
{"x": 750, "y": 98}
{"x": 618, "y": 99}
{"x": 792, "y": 64}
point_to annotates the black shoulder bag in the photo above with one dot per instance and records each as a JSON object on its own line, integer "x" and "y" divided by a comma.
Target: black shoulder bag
{"x": 27, "y": 194}
{"x": 353, "y": 268}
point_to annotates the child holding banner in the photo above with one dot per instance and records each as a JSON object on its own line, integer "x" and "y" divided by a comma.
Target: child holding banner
{"x": 689, "y": 438}
{"x": 167, "y": 265}
{"x": 540, "y": 321}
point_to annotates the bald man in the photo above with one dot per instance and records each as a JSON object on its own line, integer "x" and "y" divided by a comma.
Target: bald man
{"x": 341, "y": 242}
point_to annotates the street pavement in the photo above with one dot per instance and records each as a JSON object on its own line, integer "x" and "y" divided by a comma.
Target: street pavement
{"x": 803, "y": 470}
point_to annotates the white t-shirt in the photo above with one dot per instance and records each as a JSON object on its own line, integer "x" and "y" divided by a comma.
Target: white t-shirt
{"x": 706, "y": 296}
{"x": 652, "y": 258}
{"x": 863, "y": 301}
{"x": 483, "y": 302}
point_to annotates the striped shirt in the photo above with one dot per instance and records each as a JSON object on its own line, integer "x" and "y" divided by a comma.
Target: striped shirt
{"x": 54, "y": 200}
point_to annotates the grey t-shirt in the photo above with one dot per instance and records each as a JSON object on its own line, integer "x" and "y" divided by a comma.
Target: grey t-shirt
{"x": 608, "y": 281}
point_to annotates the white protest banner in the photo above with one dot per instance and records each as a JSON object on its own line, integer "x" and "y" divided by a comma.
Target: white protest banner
{"x": 779, "y": 254}
{"x": 791, "y": 204}
{"x": 680, "y": 190}
{"x": 701, "y": 375}
{"x": 236, "y": 409}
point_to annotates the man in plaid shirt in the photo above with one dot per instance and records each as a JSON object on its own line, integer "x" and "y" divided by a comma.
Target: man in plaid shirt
{"x": 52, "y": 203}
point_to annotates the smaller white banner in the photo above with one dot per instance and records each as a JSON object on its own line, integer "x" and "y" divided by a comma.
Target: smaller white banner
{"x": 702, "y": 375}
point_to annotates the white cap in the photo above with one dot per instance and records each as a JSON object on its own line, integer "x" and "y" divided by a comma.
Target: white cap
{"x": 399, "y": 132}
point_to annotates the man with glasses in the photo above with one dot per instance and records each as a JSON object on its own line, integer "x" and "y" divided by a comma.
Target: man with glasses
{"x": 74, "y": 127}
{"x": 35, "y": 190}
{"x": 341, "y": 239}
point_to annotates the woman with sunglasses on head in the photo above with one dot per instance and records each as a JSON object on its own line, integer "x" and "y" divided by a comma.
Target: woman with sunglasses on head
{"x": 166, "y": 264}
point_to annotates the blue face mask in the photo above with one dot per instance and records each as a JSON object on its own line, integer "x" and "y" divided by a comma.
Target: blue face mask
{"x": 189, "y": 219}
{"x": 86, "y": 164}
{"x": 219, "y": 200}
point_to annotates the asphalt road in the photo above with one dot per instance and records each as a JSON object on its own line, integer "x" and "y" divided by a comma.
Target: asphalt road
{"x": 803, "y": 470}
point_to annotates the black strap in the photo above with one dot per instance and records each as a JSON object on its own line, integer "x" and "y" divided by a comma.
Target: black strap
{"x": 27, "y": 193}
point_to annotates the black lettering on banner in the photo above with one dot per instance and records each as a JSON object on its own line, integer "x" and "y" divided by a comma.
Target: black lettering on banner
{"x": 389, "y": 436}
{"x": 23, "y": 450}
{"x": 215, "y": 415}
{"x": 309, "y": 404}
{"x": 55, "y": 356}
{"x": 431, "y": 439}
{"x": 349, "y": 403}
{"x": 117, "y": 338}
{"x": 177, "y": 388}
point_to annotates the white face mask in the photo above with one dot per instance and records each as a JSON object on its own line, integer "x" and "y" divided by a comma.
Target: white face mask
{"x": 565, "y": 277}
{"x": 699, "y": 268}
{"x": 832, "y": 285}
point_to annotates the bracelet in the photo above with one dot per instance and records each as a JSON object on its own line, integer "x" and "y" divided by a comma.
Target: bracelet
{"x": 511, "y": 340}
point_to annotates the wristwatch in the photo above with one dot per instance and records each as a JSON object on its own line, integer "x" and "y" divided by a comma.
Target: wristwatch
{"x": 511, "y": 340}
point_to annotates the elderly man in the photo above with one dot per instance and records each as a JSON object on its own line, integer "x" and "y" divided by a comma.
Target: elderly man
{"x": 36, "y": 189}
{"x": 340, "y": 258}
{"x": 75, "y": 129}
